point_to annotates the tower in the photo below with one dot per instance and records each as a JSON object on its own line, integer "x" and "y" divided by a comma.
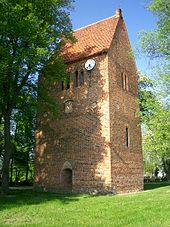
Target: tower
{"x": 95, "y": 145}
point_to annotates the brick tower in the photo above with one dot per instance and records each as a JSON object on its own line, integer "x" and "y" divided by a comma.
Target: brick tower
{"x": 95, "y": 145}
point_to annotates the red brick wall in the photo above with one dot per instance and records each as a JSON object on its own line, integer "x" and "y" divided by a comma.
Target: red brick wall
{"x": 81, "y": 137}
{"x": 127, "y": 164}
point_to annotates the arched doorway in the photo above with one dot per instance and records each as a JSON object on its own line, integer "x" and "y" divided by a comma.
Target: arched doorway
{"x": 66, "y": 180}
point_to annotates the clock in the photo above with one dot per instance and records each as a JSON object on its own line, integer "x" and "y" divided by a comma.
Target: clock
{"x": 89, "y": 65}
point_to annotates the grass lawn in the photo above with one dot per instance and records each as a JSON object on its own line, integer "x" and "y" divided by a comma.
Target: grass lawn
{"x": 150, "y": 208}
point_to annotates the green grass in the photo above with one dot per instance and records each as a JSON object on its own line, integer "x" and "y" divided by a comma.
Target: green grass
{"x": 150, "y": 208}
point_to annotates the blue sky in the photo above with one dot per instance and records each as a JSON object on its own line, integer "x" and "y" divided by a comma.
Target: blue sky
{"x": 135, "y": 15}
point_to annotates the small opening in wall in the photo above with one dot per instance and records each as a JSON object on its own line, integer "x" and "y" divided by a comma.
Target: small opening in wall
{"x": 127, "y": 136}
{"x": 62, "y": 85}
{"x": 76, "y": 81}
{"x": 125, "y": 82}
{"x": 81, "y": 79}
{"x": 68, "y": 82}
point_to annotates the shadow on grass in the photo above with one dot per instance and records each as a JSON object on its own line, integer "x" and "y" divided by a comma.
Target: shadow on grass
{"x": 155, "y": 185}
{"x": 18, "y": 198}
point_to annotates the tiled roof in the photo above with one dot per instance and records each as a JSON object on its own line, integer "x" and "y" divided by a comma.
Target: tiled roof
{"x": 90, "y": 40}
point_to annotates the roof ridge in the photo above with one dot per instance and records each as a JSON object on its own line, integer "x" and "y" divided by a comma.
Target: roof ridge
{"x": 94, "y": 23}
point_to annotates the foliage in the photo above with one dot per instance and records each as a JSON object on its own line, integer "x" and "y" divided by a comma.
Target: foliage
{"x": 146, "y": 97}
{"x": 156, "y": 43}
{"x": 25, "y": 207}
{"x": 29, "y": 32}
{"x": 155, "y": 116}
{"x": 22, "y": 139}
{"x": 156, "y": 99}
{"x": 156, "y": 139}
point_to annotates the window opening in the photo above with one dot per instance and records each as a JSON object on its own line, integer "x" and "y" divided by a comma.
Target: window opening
{"x": 81, "y": 78}
{"x": 76, "y": 79}
{"x": 68, "y": 82}
{"x": 125, "y": 82}
{"x": 127, "y": 136}
{"x": 62, "y": 85}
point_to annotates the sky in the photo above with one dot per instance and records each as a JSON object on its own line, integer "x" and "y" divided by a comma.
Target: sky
{"x": 135, "y": 15}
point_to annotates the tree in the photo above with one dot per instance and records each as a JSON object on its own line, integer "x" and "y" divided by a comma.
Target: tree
{"x": 29, "y": 32}
{"x": 155, "y": 116}
{"x": 22, "y": 137}
{"x": 146, "y": 97}
{"x": 23, "y": 122}
{"x": 156, "y": 45}
{"x": 146, "y": 103}
{"x": 157, "y": 136}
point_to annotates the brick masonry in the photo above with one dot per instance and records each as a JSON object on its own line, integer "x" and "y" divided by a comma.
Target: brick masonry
{"x": 85, "y": 149}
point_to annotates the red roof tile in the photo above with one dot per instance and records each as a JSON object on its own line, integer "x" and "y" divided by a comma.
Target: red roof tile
{"x": 91, "y": 40}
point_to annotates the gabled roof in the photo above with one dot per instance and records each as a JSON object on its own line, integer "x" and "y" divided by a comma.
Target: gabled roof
{"x": 90, "y": 40}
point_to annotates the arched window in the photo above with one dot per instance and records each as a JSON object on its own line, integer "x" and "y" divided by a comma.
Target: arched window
{"x": 68, "y": 82}
{"x": 125, "y": 85}
{"x": 81, "y": 78}
{"x": 76, "y": 80}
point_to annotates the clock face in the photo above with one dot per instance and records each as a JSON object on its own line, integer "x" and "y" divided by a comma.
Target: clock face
{"x": 90, "y": 63}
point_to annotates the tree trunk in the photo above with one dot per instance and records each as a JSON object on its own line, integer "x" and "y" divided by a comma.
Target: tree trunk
{"x": 168, "y": 171}
{"x": 7, "y": 153}
{"x": 11, "y": 177}
{"x": 27, "y": 167}
{"x": 16, "y": 175}
{"x": 166, "y": 165}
